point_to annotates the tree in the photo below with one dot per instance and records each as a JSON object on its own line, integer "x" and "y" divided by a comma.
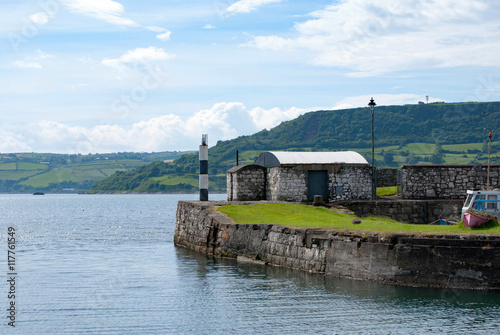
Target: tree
{"x": 388, "y": 158}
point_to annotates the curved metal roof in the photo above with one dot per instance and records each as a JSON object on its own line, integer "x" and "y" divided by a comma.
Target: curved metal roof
{"x": 277, "y": 158}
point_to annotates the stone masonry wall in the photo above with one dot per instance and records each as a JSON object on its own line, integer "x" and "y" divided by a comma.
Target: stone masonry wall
{"x": 350, "y": 183}
{"x": 246, "y": 184}
{"x": 287, "y": 184}
{"x": 445, "y": 181}
{"x": 387, "y": 177}
{"x": 446, "y": 261}
{"x": 408, "y": 211}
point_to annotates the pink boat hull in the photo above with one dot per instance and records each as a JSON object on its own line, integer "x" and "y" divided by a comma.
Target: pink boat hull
{"x": 473, "y": 220}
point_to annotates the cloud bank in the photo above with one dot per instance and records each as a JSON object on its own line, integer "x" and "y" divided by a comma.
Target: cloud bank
{"x": 223, "y": 121}
{"x": 383, "y": 36}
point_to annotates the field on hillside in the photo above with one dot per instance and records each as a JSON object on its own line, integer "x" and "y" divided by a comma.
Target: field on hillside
{"x": 29, "y": 172}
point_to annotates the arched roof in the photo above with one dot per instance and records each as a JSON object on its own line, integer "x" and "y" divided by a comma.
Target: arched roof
{"x": 278, "y": 158}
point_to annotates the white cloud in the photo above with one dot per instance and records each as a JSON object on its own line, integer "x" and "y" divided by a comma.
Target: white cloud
{"x": 164, "y": 33}
{"x": 164, "y": 36}
{"x": 223, "y": 121}
{"x": 27, "y": 65}
{"x": 383, "y": 36}
{"x": 208, "y": 26}
{"x": 12, "y": 142}
{"x": 273, "y": 43}
{"x": 269, "y": 118}
{"x": 106, "y": 10}
{"x": 143, "y": 56}
{"x": 246, "y": 6}
{"x": 32, "y": 62}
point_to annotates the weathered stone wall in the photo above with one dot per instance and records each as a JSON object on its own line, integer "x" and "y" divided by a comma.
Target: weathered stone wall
{"x": 409, "y": 211}
{"x": 387, "y": 177}
{"x": 350, "y": 183}
{"x": 448, "y": 261}
{"x": 445, "y": 181}
{"x": 246, "y": 182}
{"x": 287, "y": 183}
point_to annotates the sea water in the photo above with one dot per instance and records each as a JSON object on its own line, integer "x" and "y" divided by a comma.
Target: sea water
{"x": 106, "y": 264}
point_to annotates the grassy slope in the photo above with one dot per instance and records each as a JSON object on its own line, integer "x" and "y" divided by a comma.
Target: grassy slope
{"x": 79, "y": 172}
{"x": 318, "y": 217}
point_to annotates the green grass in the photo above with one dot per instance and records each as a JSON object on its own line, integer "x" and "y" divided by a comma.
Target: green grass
{"x": 8, "y": 166}
{"x": 385, "y": 191}
{"x": 296, "y": 215}
{"x": 420, "y": 148}
{"x": 189, "y": 179}
{"x": 53, "y": 176}
{"x": 16, "y": 174}
{"x": 32, "y": 166}
{"x": 95, "y": 171}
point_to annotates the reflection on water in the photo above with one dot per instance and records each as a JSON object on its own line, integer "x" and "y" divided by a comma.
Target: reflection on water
{"x": 294, "y": 301}
{"x": 106, "y": 264}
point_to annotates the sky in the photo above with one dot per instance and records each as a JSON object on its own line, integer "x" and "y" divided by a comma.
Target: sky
{"x": 101, "y": 76}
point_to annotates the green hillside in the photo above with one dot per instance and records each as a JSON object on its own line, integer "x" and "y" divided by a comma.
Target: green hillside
{"x": 436, "y": 133}
{"x": 33, "y": 172}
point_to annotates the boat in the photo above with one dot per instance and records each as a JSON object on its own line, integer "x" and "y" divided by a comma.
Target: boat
{"x": 480, "y": 207}
{"x": 38, "y": 193}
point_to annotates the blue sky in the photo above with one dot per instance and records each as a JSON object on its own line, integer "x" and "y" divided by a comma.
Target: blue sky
{"x": 94, "y": 76}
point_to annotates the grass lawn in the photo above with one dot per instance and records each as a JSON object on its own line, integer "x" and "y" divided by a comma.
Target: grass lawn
{"x": 385, "y": 191}
{"x": 296, "y": 215}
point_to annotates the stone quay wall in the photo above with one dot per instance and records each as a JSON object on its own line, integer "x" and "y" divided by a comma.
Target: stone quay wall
{"x": 446, "y": 181}
{"x": 445, "y": 261}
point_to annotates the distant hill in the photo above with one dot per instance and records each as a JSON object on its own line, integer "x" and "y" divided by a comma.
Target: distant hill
{"x": 34, "y": 172}
{"x": 453, "y": 133}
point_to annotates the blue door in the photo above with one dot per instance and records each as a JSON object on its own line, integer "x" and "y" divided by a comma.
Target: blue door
{"x": 317, "y": 184}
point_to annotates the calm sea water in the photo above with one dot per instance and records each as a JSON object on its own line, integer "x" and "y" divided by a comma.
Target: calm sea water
{"x": 106, "y": 264}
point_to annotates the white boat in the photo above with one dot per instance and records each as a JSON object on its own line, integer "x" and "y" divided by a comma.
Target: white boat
{"x": 480, "y": 206}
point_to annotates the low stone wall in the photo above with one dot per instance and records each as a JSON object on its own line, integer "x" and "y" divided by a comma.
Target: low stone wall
{"x": 409, "y": 211}
{"x": 449, "y": 261}
{"x": 387, "y": 177}
{"x": 446, "y": 181}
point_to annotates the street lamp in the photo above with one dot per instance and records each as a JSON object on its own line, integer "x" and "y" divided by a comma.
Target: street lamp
{"x": 372, "y": 105}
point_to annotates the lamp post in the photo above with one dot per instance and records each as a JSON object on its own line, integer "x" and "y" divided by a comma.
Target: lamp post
{"x": 372, "y": 105}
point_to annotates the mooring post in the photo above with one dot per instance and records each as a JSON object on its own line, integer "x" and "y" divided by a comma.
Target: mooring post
{"x": 204, "y": 168}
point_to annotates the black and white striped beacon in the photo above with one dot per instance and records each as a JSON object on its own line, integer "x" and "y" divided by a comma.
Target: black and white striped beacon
{"x": 204, "y": 168}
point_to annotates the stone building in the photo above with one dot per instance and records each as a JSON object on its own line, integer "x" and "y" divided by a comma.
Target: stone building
{"x": 246, "y": 183}
{"x": 299, "y": 176}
